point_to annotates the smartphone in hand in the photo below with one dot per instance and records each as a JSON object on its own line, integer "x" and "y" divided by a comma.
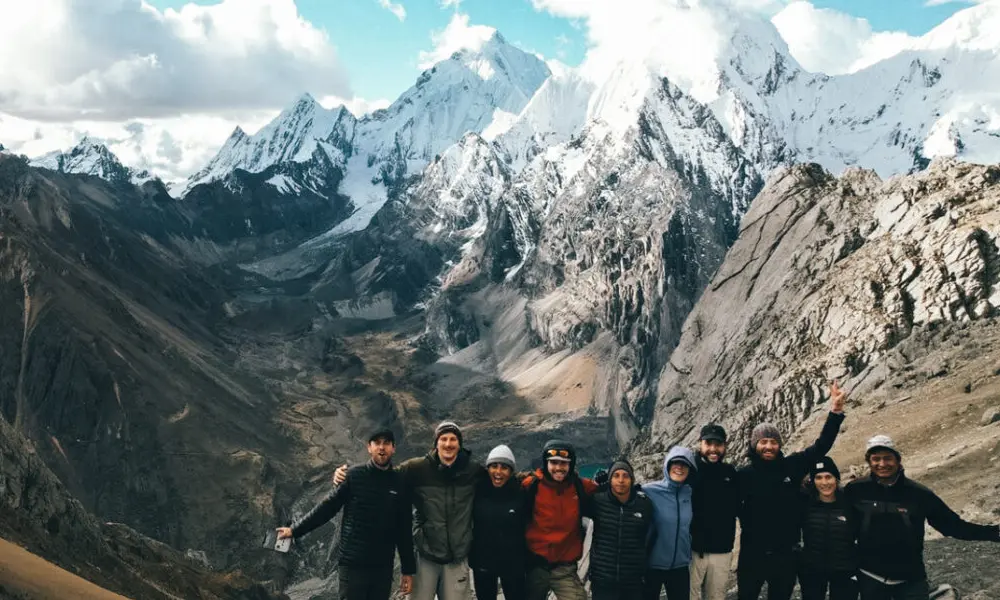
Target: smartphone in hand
{"x": 272, "y": 542}
{"x": 283, "y": 545}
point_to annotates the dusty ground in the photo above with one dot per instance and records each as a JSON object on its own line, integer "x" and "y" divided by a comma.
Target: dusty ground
{"x": 24, "y": 576}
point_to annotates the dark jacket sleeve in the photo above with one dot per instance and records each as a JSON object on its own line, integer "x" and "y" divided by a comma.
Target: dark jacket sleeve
{"x": 404, "y": 536}
{"x": 324, "y": 511}
{"x": 945, "y": 520}
{"x": 821, "y": 446}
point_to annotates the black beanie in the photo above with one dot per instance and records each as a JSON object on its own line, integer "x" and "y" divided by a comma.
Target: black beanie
{"x": 621, "y": 465}
{"x": 382, "y": 432}
{"x": 824, "y": 465}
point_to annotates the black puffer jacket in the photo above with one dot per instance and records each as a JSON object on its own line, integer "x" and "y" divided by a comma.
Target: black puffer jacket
{"x": 716, "y": 503}
{"x": 499, "y": 519}
{"x": 377, "y": 519}
{"x": 618, "y": 547}
{"x": 828, "y": 536}
{"x": 891, "y": 525}
{"x": 771, "y": 497}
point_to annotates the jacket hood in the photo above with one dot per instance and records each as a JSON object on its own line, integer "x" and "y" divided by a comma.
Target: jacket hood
{"x": 682, "y": 454}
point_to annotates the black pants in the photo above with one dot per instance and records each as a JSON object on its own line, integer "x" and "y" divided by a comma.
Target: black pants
{"x": 778, "y": 570}
{"x": 814, "y": 585}
{"x": 361, "y": 583}
{"x": 874, "y": 590}
{"x": 600, "y": 591}
{"x": 677, "y": 583}
{"x": 513, "y": 583}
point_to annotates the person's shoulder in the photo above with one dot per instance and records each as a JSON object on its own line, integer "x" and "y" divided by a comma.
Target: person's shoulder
{"x": 916, "y": 487}
{"x": 412, "y": 464}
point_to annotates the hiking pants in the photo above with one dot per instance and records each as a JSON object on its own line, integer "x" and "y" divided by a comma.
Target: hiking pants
{"x": 360, "y": 583}
{"x": 875, "y": 590}
{"x": 814, "y": 585}
{"x": 513, "y": 583}
{"x": 677, "y": 583}
{"x": 561, "y": 580}
{"x": 710, "y": 573}
{"x": 448, "y": 582}
{"x": 777, "y": 569}
{"x": 600, "y": 591}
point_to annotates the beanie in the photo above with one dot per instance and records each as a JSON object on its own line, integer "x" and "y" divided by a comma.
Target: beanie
{"x": 621, "y": 465}
{"x": 501, "y": 455}
{"x": 824, "y": 465}
{"x": 762, "y": 431}
{"x": 448, "y": 427}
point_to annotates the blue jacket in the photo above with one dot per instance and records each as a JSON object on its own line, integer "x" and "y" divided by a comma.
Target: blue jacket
{"x": 671, "y": 533}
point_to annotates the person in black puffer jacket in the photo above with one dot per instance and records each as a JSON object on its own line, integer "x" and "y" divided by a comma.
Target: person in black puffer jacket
{"x": 500, "y": 516}
{"x": 771, "y": 500}
{"x": 715, "y": 501}
{"x": 829, "y": 554}
{"x": 377, "y": 522}
{"x": 623, "y": 518}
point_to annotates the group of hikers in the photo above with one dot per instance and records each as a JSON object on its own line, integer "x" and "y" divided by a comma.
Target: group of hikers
{"x": 523, "y": 532}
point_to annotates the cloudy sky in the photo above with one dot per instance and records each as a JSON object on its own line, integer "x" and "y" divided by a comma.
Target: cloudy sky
{"x": 166, "y": 81}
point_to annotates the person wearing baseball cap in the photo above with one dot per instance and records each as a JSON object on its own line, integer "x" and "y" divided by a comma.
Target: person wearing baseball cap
{"x": 892, "y": 511}
{"x": 829, "y": 555}
{"x": 498, "y": 525}
{"x": 770, "y": 490}
{"x": 556, "y": 495}
{"x": 376, "y": 524}
{"x": 716, "y": 502}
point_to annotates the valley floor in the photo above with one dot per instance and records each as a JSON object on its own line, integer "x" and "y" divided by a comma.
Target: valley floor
{"x": 24, "y": 576}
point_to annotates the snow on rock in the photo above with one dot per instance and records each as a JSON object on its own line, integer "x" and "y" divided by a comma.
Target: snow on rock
{"x": 91, "y": 157}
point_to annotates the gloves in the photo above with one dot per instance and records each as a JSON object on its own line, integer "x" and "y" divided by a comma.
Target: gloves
{"x": 601, "y": 477}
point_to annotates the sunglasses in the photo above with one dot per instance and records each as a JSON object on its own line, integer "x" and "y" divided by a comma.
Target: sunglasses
{"x": 560, "y": 453}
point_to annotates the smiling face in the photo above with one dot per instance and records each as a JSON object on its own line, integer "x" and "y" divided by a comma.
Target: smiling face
{"x": 679, "y": 471}
{"x": 768, "y": 448}
{"x": 499, "y": 474}
{"x": 558, "y": 469}
{"x": 447, "y": 448}
{"x": 826, "y": 485}
{"x": 884, "y": 464}
{"x": 381, "y": 451}
{"x": 712, "y": 451}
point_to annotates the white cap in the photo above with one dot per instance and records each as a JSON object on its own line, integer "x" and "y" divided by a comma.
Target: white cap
{"x": 882, "y": 441}
{"x": 502, "y": 455}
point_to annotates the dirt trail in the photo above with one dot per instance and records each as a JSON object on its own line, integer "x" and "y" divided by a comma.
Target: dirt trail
{"x": 26, "y": 576}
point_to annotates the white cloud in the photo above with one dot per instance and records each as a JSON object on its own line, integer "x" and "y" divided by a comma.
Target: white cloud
{"x": 942, "y": 2}
{"x": 395, "y": 8}
{"x": 451, "y": 4}
{"x": 64, "y": 60}
{"x": 829, "y": 41}
{"x": 357, "y": 106}
{"x": 457, "y": 35}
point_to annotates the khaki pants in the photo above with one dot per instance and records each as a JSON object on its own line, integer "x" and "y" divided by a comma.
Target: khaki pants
{"x": 448, "y": 582}
{"x": 710, "y": 572}
{"x": 562, "y": 581}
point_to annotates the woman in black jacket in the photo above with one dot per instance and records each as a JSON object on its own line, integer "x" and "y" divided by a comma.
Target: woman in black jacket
{"x": 829, "y": 554}
{"x": 499, "y": 520}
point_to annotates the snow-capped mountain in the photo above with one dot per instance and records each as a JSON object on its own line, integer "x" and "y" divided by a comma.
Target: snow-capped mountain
{"x": 91, "y": 157}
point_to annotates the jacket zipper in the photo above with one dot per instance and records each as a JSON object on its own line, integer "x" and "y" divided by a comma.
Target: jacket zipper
{"x": 618, "y": 554}
{"x": 677, "y": 528}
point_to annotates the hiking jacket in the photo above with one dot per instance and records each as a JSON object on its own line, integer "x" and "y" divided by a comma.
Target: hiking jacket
{"x": 715, "y": 495}
{"x": 891, "y": 525}
{"x": 377, "y": 519}
{"x": 770, "y": 496}
{"x": 828, "y": 536}
{"x": 500, "y": 516}
{"x": 618, "y": 546}
{"x": 670, "y": 546}
{"x": 443, "y": 499}
{"x": 555, "y": 530}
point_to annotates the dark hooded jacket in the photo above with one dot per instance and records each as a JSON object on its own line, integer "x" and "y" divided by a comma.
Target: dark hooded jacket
{"x": 770, "y": 496}
{"x": 499, "y": 520}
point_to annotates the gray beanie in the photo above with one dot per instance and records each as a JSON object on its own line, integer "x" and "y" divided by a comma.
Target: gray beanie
{"x": 764, "y": 430}
{"x": 501, "y": 455}
{"x": 448, "y": 427}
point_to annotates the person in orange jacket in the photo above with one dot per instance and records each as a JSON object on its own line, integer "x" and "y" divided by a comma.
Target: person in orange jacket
{"x": 555, "y": 532}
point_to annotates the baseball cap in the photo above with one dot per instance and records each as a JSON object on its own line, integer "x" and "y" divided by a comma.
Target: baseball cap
{"x": 713, "y": 432}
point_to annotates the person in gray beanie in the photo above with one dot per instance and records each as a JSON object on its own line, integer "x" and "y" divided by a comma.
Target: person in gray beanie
{"x": 499, "y": 519}
{"x": 771, "y": 505}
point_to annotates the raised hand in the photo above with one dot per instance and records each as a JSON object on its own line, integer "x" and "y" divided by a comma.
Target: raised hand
{"x": 340, "y": 475}
{"x": 837, "y": 397}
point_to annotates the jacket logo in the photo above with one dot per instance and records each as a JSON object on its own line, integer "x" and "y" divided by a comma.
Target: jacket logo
{"x": 512, "y": 511}
{"x": 902, "y": 509}
{"x": 637, "y": 515}
{"x": 393, "y": 492}
{"x": 842, "y": 518}
{"x": 788, "y": 479}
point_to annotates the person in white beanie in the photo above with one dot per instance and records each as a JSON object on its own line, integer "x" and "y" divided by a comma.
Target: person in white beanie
{"x": 498, "y": 523}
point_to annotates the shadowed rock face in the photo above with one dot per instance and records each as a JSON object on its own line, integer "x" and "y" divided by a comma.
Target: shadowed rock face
{"x": 831, "y": 278}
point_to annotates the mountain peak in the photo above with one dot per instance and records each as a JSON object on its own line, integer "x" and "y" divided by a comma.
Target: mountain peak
{"x": 90, "y": 156}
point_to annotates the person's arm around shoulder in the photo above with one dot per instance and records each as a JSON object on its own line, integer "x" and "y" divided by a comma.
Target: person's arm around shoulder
{"x": 321, "y": 513}
{"x": 950, "y": 524}
{"x": 590, "y": 486}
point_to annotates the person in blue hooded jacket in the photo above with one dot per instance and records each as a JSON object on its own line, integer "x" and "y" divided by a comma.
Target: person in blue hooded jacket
{"x": 670, "y": 543}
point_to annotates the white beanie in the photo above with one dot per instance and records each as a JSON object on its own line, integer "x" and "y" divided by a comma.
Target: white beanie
{"x": 502, "y": 455}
